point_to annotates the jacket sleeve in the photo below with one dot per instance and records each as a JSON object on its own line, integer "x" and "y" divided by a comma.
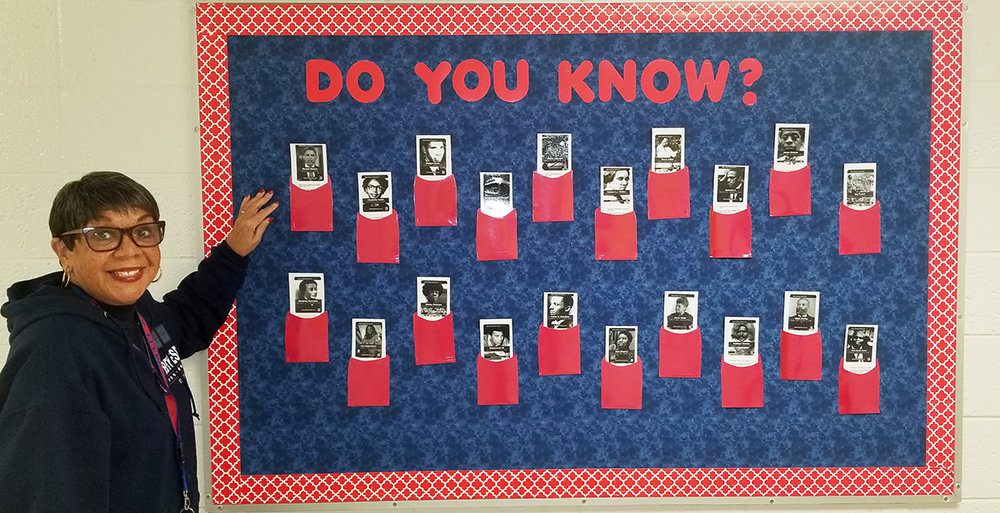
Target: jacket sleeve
{"x": 203, "y": 299}
{"x": 55, "y": 441}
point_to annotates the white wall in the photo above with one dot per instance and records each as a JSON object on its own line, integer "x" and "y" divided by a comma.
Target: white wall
{"x": 111, "y": 84}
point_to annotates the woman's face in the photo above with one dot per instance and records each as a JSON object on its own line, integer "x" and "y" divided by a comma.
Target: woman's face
{"x": 619, "y": 182}
{"x": 118, "y": 277}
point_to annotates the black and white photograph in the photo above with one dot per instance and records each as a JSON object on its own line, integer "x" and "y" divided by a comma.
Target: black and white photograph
{"x": 434, "y": 156}
{"x": 375, "y": 194}
{"x": 801, "y": 312}
{"x": 433, "y": 297}
{"x": 308, "y": 165}
{"x": 729, "y": 190}
{"x": 560, "y": 310}
{"x": 740, "y": 341}
{"x": 555, "y": 154}
{"x": 859, "y": 185}
{"x": 791, "y": 146}
{"x": 616, "y": 190}
{"x": 497, "y": 339}
{"x": 496, "y": 194}
{"x": 305, "y": 294}
{"x": 368, "y": 339}
{"x": 860, "y": 347}
{"x": 621, "y": 344}
{"x": 680, "y": 310}
{"x": 668, "y": 149}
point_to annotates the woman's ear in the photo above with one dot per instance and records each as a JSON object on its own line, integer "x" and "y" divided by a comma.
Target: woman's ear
{"x": 60, "y": 249}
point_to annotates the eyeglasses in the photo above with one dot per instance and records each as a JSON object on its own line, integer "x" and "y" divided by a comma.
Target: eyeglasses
{"x": 109, "y": 238}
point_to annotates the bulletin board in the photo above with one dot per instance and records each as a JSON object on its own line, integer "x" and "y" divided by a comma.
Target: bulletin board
{"x": 876, "y": 82}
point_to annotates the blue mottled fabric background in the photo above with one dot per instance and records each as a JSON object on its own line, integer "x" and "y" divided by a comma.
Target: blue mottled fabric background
{"x": 866, "y": 97}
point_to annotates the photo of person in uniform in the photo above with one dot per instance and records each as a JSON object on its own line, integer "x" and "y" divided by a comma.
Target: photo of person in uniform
{"x": 680, "y": 319}
{"x": 433, "y": 157}
{"x": 308, "y": 164}
{"x": 802, "y": 321}
{"x": 560, "y": 311}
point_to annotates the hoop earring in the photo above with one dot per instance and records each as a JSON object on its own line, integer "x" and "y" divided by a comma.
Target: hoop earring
{"x": 65, "y": 278}
{"x": 159, "y": 274}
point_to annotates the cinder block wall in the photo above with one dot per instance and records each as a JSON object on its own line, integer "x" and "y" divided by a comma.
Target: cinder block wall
{"x": 111, "y": 84}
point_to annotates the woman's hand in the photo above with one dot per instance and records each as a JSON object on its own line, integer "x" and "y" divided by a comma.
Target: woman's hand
{"x": 251, "y": 222}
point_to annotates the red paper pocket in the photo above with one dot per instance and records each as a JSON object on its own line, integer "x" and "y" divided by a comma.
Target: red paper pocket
{"x": 378, "y": 239}
{"x": 858, "y": 393}
{"x": 435, "y": 202}
{"x": 496, "y": 237}
{"x": 680, "y": 354}
{"x": 558, "y": 351}
{"x": 621, "y": 385}
{"x": 368, "y": 382}
{"x": 729, "y": 235}
{"x": 311, "y": 210}
{"x": 742, "y": 387}
{"x": 790, "y": 192}
{"x": 434, "y": 341}
{"x": 860, "y": 230}
{"x": 497, "y": 381}
{"x": 801, "y": 356}
{"x": 669, "y": 194}
{"x": 306, "y": 339}
{"x": 551, "y": 198}
{"x": 615, "y": 236}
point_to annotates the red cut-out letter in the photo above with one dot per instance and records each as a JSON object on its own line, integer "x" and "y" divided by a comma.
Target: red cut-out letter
{"x": 700, "y": 81}
{"x": 482, "y": 80}
{"x": 608, "y": 77}
{"x": 572, "y": 80}
{"x": 433, "y": 79}
{"x": 673, "y": 81}
{"x": 316, "y": 67}
{"x": 500, "y": 81}
{"x": 354, "y": 86}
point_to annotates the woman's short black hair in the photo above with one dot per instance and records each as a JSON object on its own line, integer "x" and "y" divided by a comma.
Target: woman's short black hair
{"x": 95, "y": 193}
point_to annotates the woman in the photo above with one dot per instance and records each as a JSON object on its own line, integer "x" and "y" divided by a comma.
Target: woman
{"x": 95, "y": 410}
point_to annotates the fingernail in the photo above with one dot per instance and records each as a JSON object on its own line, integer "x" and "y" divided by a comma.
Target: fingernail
{"x": 260, "y": 191}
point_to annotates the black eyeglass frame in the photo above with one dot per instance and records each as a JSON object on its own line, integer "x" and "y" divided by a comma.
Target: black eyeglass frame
{"x": 161, "y": 226}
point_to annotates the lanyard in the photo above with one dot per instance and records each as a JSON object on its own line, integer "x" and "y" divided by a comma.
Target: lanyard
{"x": 168, "y": 396}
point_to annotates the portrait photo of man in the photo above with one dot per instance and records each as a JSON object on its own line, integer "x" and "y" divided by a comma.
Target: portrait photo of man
{"x": 433, "y": 156}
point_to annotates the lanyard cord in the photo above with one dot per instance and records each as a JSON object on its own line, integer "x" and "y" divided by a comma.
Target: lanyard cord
{"x": 161, "y": 379}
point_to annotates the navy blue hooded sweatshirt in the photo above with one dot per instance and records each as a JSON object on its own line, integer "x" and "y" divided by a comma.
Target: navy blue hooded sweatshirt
{"x": 84, "y": 426}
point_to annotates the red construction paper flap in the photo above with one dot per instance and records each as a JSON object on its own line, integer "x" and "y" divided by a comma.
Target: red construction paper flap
{"x": 730, "y": 235}
{"x": 680, "y": 354}
{"x": 497, "y": 381}
{"x": 790, "y": 192}
{"x": 434, "y": 341}
{"x": 306, "y": 339}
{"x": 551, "y": 198}
{"x": 496, "y": 237}
{"x": 368, "y": 382}
{"x": 858, "y": 393}
{"x": 311, "y": 210}
{"x": 435, "y": 202}
{"x": 801, "y": 356}
{"x": 743, "y": 387}
{"x": 621, "y": 385}
{"x": 861, "y": 230}
{"x": 558, "y": 351}
{"x": 669, "y": 194}
{"x": 615, "y": 236}
{"x": 378, "y": 239}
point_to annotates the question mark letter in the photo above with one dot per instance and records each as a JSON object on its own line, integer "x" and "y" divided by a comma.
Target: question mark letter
{"x": 752, "y": 70}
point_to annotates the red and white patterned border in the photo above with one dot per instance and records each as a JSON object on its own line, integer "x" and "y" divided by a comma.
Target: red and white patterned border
{"x": 937, "y": 477}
